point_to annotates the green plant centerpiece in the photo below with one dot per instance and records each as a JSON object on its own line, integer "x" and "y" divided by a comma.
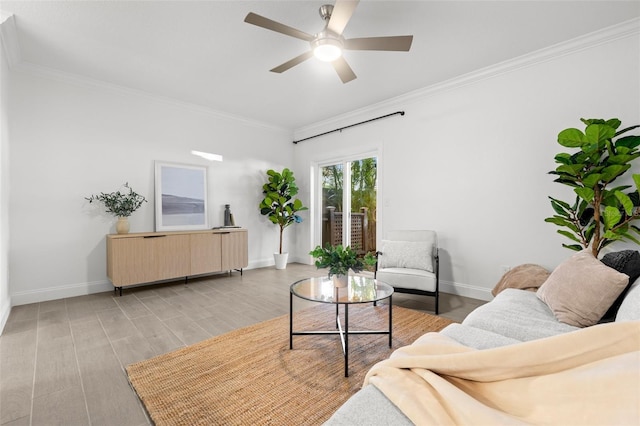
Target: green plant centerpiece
{"x": 279, "y": 204}
{"x": 120, "y": 204}
{"x": 339, "y": 260}
{"x": 601, "y": 213}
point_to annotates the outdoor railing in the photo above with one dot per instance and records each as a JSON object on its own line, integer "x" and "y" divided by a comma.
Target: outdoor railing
{"x": 363, "y": 237}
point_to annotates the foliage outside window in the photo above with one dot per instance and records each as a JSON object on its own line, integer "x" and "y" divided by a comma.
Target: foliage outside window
{"x": 363, "y": 186}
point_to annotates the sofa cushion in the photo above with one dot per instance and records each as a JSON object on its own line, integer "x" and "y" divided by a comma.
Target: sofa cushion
{"x": 517, "y": 314}
{"x": 627, "y": 262}
{"x": 476, "y": 337}
{"x": 406, "y": 254}
{"x": 581, "y": 289}
{"x": 368, "y": 407}
{"x": 415, "y": 279}
{"x": 630, "y": 307}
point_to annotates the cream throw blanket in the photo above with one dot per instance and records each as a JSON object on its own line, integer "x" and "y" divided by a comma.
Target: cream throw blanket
{"x": 590, "y": 376}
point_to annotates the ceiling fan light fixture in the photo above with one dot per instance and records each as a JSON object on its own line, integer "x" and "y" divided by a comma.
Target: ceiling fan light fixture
{"x": 327, "y": 49}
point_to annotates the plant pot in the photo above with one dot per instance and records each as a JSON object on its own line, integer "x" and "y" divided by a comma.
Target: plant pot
{"x": 122, "y": 226}
{"x": 281, "y": 260}
{"x": 341, "y": 281}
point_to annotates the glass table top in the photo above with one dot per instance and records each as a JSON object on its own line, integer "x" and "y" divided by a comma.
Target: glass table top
{"x": 327, "y": 290}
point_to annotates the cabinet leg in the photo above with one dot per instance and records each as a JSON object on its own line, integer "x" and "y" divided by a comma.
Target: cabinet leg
{"x": 115, "y": 291}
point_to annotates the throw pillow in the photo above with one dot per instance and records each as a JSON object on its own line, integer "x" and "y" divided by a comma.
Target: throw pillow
{"x": 627, "y": 262}
{"x": 524, "y": 277}
{"x": 581, "y": 289}
{"x": 406, "y": 254}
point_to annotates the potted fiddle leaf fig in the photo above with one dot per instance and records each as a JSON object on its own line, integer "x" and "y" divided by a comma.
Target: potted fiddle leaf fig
{"x": 280, "y": 206}
{"x": 120, "y": 204}
{"x": 339, "y": 260}
{"x": 601, "y": 213}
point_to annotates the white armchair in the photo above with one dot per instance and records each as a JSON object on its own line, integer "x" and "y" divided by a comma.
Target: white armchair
{"x": 409, "y": 262}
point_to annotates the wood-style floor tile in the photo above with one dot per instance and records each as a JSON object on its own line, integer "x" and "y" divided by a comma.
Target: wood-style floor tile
{"x": 46, "y": 408}
{"x": 71, "y": 353}
{"x": 17, "y": 368}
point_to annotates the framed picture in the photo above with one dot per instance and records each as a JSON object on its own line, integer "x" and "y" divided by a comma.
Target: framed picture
{"x": 181, "y": 197}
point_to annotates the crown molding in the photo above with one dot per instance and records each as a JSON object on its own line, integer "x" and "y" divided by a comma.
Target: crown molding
{"x": 625, "y": 29}
{"x": 9, "y": 38}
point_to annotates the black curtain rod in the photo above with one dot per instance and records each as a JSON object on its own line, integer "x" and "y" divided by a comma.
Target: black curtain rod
{"x": 351, "y": 125}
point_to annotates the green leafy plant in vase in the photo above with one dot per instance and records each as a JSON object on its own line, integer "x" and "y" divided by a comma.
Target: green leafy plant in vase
{"x": 280, "y": 206}
{"x": 339, "y": 260}
{"x": 601, "y": 213}
{"x": 120, "y": 204}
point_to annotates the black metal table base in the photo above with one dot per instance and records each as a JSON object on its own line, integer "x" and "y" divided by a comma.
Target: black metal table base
{"x": 344, "y": 334}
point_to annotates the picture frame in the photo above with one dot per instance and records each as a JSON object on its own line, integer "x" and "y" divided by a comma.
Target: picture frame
{"x": 180, "y": 197}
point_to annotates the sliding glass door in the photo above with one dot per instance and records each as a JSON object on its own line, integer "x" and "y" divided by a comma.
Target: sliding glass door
{"x": 349, "y": 211}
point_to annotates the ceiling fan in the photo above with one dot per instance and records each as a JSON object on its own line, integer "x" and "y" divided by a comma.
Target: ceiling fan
{"x": 328, "y": 44}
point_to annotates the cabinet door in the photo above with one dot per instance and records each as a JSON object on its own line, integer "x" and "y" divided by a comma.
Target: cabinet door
{"x": 171, "y": 256}
{"x": 129, "y": 261}
{"x": 205, "y": 253}
{"x": 235, "y": 250}
{"x": 139, "y": 260}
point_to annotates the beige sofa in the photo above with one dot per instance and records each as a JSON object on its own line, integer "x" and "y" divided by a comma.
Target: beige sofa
{"x": 517, "y": 320}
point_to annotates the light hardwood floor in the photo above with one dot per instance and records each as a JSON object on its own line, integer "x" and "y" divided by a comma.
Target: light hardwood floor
{"x": 62, "y": 362}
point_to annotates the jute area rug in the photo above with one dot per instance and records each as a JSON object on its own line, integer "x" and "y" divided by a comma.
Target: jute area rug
{"x": 250, "y": 376}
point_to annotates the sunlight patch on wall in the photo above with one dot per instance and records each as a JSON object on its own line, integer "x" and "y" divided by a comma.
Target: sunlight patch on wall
{"x": 207, "y": 155}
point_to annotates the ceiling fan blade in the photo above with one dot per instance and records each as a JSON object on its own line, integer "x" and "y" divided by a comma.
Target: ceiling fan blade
{"x": 342, "y": 11}
{"x": 292, "y": 62}
{"x": 343, "y": 69}
{"x": 267, "y": 23}
{"x": 394, "y": 43}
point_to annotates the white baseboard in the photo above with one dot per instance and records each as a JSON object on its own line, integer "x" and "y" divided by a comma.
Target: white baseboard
{"x": 5, "y": 310}
{"x": 262, "y": 263}
{"x": 60, "y": 292}
{"x": 466, "y": 290}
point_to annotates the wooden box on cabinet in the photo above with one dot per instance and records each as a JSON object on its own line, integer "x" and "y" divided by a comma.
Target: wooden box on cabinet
{"x": 147, "y": 257}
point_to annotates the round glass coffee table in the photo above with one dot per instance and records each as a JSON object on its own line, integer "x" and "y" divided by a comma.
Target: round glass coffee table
{"x": 325, "y": 290}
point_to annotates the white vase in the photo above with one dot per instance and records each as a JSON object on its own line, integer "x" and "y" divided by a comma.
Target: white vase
{"x": 341, "y": 280}
{"x": 122, "y": 226}
{"x": 281, "y": 260}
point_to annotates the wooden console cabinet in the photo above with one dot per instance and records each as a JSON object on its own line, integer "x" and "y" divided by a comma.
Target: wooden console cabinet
{"x": 155, "y": 256}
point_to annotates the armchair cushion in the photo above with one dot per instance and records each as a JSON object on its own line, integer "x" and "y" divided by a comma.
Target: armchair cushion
{"x": 414, "y": 279}
{"x": 406, "y": 254}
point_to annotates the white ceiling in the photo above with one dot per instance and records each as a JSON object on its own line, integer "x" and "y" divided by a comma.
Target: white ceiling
{"x": 202, "y": 53}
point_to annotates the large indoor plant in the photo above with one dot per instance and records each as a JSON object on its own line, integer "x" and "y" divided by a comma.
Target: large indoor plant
{"x": 339, "y": 260}
{"x": 280, "y": 206}
{"x": 601, "y": 213}
{"x": 120, "y": 204}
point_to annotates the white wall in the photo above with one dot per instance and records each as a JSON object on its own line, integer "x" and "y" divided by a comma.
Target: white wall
{"x": 71, "y": 140}
{"x": 470, "y": 160}
{"x": 5, "y": 297}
